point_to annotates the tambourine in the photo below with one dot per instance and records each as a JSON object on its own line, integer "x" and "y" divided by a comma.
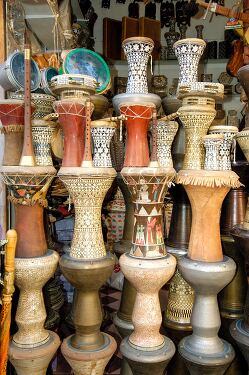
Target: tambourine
{"x": 73, "y": 85}
{"x": 12, "y": 73}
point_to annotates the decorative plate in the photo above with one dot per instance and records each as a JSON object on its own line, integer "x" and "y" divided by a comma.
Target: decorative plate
{"x": 86, "y": 62}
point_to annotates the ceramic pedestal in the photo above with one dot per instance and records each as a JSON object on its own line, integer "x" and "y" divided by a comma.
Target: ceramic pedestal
{"x": 12, "y": 118}
{"x": 42, "y": 133}
{"x": 72, "y": 118}
{"x": 87, "y": 267}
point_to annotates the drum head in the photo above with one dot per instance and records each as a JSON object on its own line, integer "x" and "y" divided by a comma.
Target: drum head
{"x": 87, "y": 62}
{"x": 46, "y": 76}
{"x": 17, "y": 71}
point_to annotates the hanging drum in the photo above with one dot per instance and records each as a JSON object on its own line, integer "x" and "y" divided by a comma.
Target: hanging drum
{"x": 46, "y": 76}
{"x": 87, "y": 62}
{"x": 12, "y": 73}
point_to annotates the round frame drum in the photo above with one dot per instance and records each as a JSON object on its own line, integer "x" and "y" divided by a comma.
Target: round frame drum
{"x": 87, "y": 62}
{"x": 12, "y": 73}
{"x": 46, "y": 76}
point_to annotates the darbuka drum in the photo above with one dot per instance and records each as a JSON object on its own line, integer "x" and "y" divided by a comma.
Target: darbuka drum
{"x": 46, "y": 75}
{"x": 87, "y": 62}
{"x": 138, "y": 117}
{"x": 12, "y": 118}
{"x": 102, "y": 133}
{"x": 12, "y": 73}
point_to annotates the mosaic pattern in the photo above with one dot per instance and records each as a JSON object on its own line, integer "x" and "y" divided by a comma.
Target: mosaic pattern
{"x": 31, "y": 313}
{"x": 225, "y": 147}
{"x": 166, "y": 131}
{"x": 102, "y": 139}
{"x": 42, "y": 136}
{"x": 188, "y": 53}
{"x": 180, "y": 300}
{"x": 137, "y": 52}
{"x": 88, "y": 194}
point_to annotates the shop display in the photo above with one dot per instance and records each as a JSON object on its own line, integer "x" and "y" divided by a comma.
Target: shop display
{"x": 157, "y": 143}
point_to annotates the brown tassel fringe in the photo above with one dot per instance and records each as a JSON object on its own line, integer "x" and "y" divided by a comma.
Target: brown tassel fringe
{"x": 209, "y": 181}
{"x": 28, "y": 202}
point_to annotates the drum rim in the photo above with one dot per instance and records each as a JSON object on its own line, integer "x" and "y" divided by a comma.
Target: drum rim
{"x": 44, "y": 85}
{"x": 104, "y": 87}
{"x": 11, "y": 75}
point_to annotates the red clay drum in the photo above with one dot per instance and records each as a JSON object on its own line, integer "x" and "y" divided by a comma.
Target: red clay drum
{"x": 138, "y": 117}
{"x": 12, "y": 118}
{"x": 73, "y": 120}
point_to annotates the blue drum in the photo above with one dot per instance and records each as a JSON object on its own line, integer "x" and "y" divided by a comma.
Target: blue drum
{"x": 46, "y": 76}
{"x": 12, "y": 73}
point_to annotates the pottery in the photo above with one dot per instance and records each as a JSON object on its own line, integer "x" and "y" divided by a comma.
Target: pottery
{"x": 204, "y": 351}
{"x": 43, "y": 103}
{"x": 171, "y": 37}
{"x": 87, "y": 267}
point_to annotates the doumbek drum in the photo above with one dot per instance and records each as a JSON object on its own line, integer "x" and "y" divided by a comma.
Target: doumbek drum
{"x": 12, "y": 118}
{"x": 137, "y": 121}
